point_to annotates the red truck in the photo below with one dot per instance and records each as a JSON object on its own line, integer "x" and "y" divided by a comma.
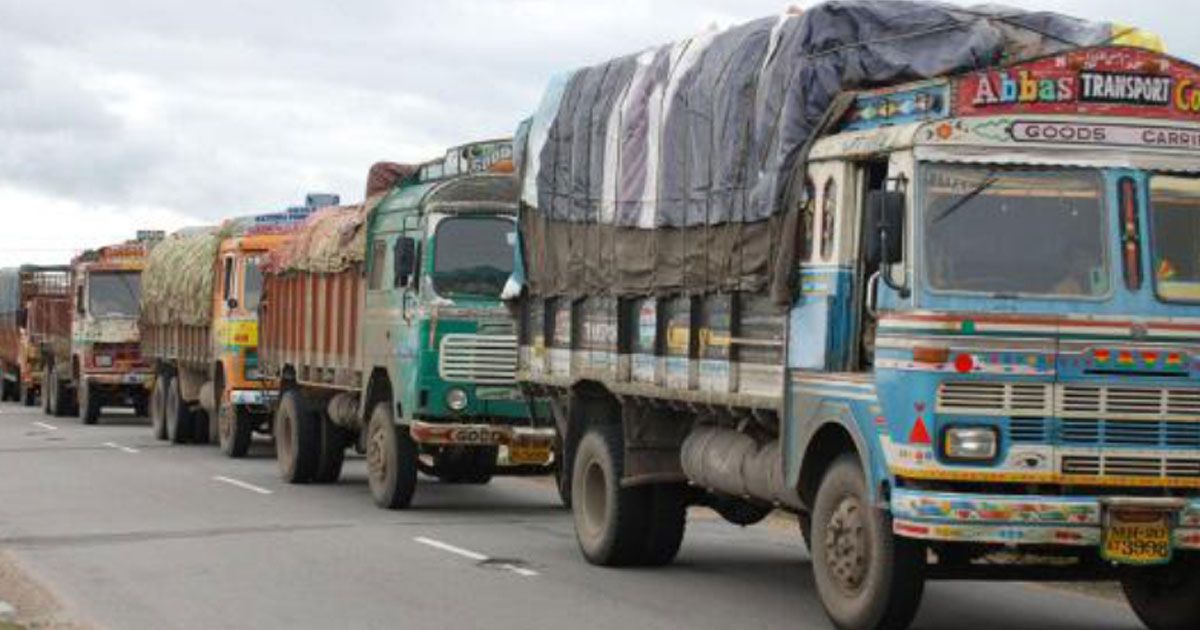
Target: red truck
{"x": 35, "y": 323}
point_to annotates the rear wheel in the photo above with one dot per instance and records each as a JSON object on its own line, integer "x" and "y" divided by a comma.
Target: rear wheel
{"x": 88, "y": 404}
{"x": 201, "y": 427}
{"x": 334, "y": 440}
{"x": 47, "y": 394}
{"x": 235, "y": 429}
{"x": 867, "y": 577}
{"x": 391, "y": 460}
{"x": 1165, "y": 598}
{"x": 158, "y": 407}
{"x": 178, "y": 415}
{"x": 297, "y": 439}
{"x": 610, "y": 521}
{"x": 28, "y": 395}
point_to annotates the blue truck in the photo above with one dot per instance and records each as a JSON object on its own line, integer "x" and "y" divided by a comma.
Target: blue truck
{"x": 986, "y": 365}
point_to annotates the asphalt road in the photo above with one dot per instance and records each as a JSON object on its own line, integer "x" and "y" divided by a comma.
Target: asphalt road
{"x": 133, "y": 533}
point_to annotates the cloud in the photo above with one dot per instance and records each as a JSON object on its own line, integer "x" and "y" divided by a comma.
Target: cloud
{"x": 171, "y": 110}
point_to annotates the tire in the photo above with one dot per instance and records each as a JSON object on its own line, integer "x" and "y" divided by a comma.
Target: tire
{"x": 473, "y": 465}
{"x": 297, "y": 439}
{"x": 201, "y": 427}
{"x": 391, "y": 460}
{"x": 47, "y": 377}
{"x": 141, "y": 405}
{"x": 87, "y": 405}
{"x": 178, "y": 416}
{"x": 666, "y": 525}
{"x": 562, "y": 476}
{"x": 235, "y": 430}
{"x": 28, "y": 396}
{"x": 610, "y": 521}
{"x": 867, "y": 578}
{"x": 1165, "y": 598}
{"x": 158, "y": 407}
{"x": 332, "y": 451}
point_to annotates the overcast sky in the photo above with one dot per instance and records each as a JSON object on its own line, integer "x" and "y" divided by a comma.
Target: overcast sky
{"x": 117, "y": 115}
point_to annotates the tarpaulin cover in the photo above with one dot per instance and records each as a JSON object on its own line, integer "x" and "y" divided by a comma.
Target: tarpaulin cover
{"x": 177, "y": 282}
{"x": 670, "y": 170}
{"x": 334, "y": 239}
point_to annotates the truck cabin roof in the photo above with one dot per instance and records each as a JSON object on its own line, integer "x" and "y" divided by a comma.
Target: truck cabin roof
{"x": 476, "y": 177}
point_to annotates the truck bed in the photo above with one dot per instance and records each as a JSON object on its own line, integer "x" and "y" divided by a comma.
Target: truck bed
{"x": 188, "y": 345}
{"x": 310, "y": 322}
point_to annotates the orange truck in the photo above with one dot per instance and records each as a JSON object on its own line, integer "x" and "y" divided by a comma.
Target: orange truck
{"x": 35, "y": 319}
{"x": 199, "y": 323}
{"x": 104, "y": 366}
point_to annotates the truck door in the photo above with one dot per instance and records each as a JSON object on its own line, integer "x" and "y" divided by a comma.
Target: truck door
{"x": 871, "y": 176}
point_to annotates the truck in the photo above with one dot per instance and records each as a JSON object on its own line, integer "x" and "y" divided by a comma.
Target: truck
{"x": 199, "y": 327}
{"x": 103, "y": 365}
{"x": 35, "y": 320}
{"x": 936, "y": 298}
{"x": 383, "y": 324}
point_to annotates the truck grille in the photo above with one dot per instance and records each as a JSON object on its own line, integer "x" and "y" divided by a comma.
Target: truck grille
{"x": 1116, "y": 464}
{"x": 991, "y": 398}
{"x": 482, "y": 359}
{"x": 1128, "y": 402}
{"x": 1141, "y": 433}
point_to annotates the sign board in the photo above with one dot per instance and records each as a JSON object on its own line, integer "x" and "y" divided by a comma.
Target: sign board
{"x": 1107, "y": 82}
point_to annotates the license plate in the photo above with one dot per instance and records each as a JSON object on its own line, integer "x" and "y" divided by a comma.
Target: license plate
{"x": 529, "y": 454}
{"x": 1142, "y": 537}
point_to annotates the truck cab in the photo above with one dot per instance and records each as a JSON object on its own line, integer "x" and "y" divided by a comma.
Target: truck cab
{"x": 998, "y": 303}
{"x": 106, "y": 366}
{"x": 440, "y": 250}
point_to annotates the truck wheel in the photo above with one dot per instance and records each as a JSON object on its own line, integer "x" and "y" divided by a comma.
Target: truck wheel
{"x": 141, "y": 405}
{"x": 178, "y": 416}
{"x": 297, "y": 439}
{"x": 28, "y": 396}
{"x": 665, "y": 525}
{"x": 562, "y": 476}
{"x": 87, "y": 404}
{"x": 334, "y": 440}
{"x": 158, "y": 407}
{"x": 47, "y": 393}
{"x": 201, "y": 427}
{"x": 235, "y": 429}
{"x": 1165, "y": 598}
{"x": 610, "y": 521}
{"x": 868, "y": 578}
{"x": 391, "y": 460}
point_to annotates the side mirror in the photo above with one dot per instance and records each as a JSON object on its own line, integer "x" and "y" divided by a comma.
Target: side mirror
{"x": 79, "y": 300}
{"x": 405, "y": 260}
{"x": 885, "y": 224}
{"x": 232, "y": 303}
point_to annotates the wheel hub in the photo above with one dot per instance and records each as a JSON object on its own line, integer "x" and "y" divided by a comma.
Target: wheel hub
{"x": 847, "y": 553}
{"x": 595, "y": 496}
{"x": 376, "y": 460}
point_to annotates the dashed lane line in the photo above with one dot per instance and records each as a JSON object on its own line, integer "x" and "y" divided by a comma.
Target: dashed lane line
{"x": 122, "y": 448}
{"x": 474, "y": 555}
{"x": 242, "y": 484}
{"x": 45, "y": 425}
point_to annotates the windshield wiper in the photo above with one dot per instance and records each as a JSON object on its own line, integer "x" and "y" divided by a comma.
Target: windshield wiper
{"x": 988, "y": 181}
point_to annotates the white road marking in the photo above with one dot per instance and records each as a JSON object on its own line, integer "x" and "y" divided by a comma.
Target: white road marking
{"x": 127, "y": 449}
{"x": 48, "y": 427}
{"x": 242, "y": 484}
{"x": 473, "y": 555}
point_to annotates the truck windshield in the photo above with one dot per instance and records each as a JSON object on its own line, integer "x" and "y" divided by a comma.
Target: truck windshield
{"x": 1012, "y": 233}
{"x": 114, "y": 294}
{"x": 1175, "y": 222}
{"x": 473, "y": 256}
{"x": 252, "y": 285}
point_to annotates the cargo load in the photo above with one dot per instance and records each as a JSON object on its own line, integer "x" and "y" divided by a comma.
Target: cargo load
{"x": 177, "y": 281}
{"x": 675, "y": 170}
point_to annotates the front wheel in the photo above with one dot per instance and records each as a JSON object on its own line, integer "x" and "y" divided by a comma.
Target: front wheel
{"x": 391, "y": 460}
{"x": 235, "y": 429}
{"x": 88, "y": 404}
{"x": 867, "y": 577}
{"x": 1165, "y": 598}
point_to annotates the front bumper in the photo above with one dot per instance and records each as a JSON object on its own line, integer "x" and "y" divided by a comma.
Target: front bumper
{"x": 454, "y": 434}
{"x": 1016, "y": 520}
{"x": 252, "y": 397}
{"x": 117, "y": 379}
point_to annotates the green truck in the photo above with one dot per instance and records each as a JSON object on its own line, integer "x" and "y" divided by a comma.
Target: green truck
{"x": 384, "y": 326}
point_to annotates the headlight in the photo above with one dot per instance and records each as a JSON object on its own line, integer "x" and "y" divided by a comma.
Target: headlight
{"x": 103, "y": 360}
{"x": 456, "y": 399}
{"x": 970, "y": 443}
